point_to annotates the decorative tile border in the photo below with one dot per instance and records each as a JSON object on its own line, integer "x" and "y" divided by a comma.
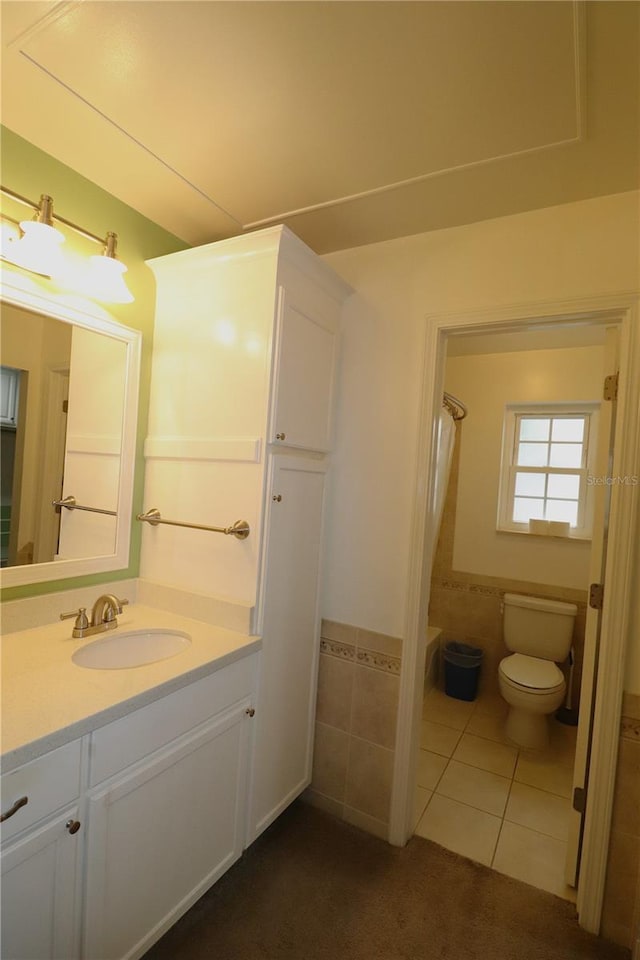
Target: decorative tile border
{"x": 379, "y": 661}
{"x": 343, "y": 651}
{"x": 488, "y": 590}
{"x": 630, "y": 728}
{"x": 368, "y": 658}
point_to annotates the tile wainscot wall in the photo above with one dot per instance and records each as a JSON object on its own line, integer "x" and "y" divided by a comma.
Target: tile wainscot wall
{"x": 621, "y": 910}
{"x": 358, "y": 692}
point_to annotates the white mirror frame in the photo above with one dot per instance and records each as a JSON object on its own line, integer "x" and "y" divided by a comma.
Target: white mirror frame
{"x": 82, "y": 313}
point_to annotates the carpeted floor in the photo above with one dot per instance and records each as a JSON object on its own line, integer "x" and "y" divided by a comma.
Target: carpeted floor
{"x": 314, "y": 888}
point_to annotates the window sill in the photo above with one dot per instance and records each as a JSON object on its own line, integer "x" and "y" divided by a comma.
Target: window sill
{"x": 572, "y": 537}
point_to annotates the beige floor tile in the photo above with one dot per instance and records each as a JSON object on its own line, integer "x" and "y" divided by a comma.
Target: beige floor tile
{"x": 465, "y": 830}
{"x": 486, "y": 754}
{"x": 562, "y": 741}
{"x": 491, "y": 704}
{"x": 477, "y": 788}
{"x": 431, "y": 766}
{"x": 538, "y": 810}
{"x": 439, "y": 739}
{"x": 439, "y": 708}
{"x": 487, "y": 725}
{"x": 537, "y": 771}
{"x": 420, "y": 800}
{"x": 533, "y": 858}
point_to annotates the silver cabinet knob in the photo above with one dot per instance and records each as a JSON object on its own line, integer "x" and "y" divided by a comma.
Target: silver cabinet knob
{"x": 281, "y": 436}
{"x": 277, "y": 497}
{"x": 250, "y": 712}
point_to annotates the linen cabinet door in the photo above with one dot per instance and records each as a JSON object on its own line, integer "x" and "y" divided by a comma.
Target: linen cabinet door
{"x": 40, "y": 875}
{"x": 285, "y": 714}
{"x": 161, "y": 834}
{"x": 304, "y": 370}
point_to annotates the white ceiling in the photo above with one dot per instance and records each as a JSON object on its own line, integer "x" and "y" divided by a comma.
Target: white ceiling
{"x": 352, "y": 122}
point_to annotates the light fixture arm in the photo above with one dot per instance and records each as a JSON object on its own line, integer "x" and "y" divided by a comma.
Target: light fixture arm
{"x": 44, "y": 213}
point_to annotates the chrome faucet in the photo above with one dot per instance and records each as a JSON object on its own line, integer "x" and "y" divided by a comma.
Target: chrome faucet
{"x": 103, "y": 616}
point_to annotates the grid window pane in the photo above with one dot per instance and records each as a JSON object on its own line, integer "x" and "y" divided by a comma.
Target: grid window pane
{"x": 530, "y": 485}
{"x": 570, "y": 430}
{"x": 566, "y": 455}
{"x": 564, "y": 485}
{"x": 525, "y": 509}
{"x": 533, "y": 455}
{"x": 534, "y": 429}
{"x": 562, "y": 510}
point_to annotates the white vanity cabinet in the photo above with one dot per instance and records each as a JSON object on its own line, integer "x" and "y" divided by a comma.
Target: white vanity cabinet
{"x": 125, "y": 829}
{"x": 42, "y": 846}
{"x": 169, "y": 820}
{"x": 304, "y": 368}
{"x": 287, "y": 693}
{"x": 247, "y": 332}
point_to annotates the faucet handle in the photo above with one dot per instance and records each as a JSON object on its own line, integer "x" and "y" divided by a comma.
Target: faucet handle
{"x": 82, "y": 621}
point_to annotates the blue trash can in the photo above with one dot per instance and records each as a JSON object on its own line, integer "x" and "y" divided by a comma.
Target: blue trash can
{"x": 461, "y": 670}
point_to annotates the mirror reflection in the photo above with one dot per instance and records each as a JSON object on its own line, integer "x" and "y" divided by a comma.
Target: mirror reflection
{"x": 61, "y": 420}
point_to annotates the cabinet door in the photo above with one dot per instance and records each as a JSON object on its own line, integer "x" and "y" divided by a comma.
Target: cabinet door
{"x": 161, "y": 834}
{"x": 39, "y": 893}
{"x": 285, "y": 711}
{"x": 303, "y": 376}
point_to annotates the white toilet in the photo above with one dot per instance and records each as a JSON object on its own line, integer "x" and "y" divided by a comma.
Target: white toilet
{"x": 539, "y": 633}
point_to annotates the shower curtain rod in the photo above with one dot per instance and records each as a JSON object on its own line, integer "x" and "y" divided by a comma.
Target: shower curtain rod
{"x": 455, "y": 407}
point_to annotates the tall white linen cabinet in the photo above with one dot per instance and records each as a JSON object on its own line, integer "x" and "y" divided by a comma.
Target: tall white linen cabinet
{"x": 241, "y": 411}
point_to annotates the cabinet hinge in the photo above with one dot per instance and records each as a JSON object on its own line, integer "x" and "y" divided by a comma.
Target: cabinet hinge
{"x": 596, "y": 595}
{"x": 610, "y": 391}
{"x": 65, "y": 406}
{"x": 579, "y": 799}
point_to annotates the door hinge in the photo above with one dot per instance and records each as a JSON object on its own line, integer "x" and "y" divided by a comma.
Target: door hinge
{"x": 596, "y": 595}
{"x": 65, "y": 406}
{"x": 579, "y": 799}
{"x": 610, "y": 391}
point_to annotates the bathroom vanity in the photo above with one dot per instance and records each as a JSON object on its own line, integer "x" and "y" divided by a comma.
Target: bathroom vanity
{"x": 136, "y": 787}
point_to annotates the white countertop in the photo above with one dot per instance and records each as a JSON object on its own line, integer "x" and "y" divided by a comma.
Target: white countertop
{"x": 48, "y": 700}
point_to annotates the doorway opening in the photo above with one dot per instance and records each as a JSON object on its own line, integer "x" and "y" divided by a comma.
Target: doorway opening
{"x": 517, "y": 522}
{"x": 597, "y": 734}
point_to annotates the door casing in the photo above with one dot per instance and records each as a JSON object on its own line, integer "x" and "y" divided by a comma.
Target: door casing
{"x": 623, "y": 310}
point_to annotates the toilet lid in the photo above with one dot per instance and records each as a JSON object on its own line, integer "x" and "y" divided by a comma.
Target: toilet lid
{"x": 532, "y": 672}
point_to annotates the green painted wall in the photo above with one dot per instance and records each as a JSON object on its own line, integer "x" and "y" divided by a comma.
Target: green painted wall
{"x": 31, "y": 172}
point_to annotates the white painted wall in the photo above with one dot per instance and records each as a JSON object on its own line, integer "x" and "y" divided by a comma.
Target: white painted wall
{"x": 575, "y": 250}
{"x": 487, "y": 383}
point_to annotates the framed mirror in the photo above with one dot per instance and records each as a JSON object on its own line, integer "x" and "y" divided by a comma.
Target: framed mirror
{"x": 68, "y": 420}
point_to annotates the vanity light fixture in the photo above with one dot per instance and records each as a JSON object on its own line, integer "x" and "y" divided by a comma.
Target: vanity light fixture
{"x": 38, "y": 250}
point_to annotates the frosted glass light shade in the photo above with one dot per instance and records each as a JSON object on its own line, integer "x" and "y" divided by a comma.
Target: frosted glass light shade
{"x": 38, "y": 250}
{"x": 105, "y": 281}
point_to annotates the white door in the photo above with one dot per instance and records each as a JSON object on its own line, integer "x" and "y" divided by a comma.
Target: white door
{"x": 161, "y": 834}
{"x": 39, "y": 893}
{"x": 592, "y": 627}
{"x": 285, "y": 713}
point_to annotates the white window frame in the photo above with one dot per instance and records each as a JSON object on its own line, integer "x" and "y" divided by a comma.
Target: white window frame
{"x": 508, "y": 467}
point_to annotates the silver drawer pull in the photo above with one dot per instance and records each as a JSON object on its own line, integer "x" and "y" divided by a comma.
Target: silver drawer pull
{"x": 14, "y": 809}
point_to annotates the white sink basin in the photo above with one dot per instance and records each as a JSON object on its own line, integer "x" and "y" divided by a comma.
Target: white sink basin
{"x": 132, "y": 648}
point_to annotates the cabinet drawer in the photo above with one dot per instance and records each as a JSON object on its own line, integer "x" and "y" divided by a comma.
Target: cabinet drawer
{"x": 48, "y": 782}
{"x": 125, "y": 741}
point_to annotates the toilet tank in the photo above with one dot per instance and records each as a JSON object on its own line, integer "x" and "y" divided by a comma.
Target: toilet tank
{"x": 537, "y": 627}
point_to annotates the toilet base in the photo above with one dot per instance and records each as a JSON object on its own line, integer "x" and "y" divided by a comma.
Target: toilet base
{"x": 527, "y": 729}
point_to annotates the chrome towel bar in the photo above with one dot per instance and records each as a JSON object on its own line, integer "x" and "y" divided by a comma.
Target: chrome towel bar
{"x": 240, "y": 529}
{"x": 69, "y": 503}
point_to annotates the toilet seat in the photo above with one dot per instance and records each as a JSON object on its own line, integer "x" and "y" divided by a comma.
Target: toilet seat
{"x": 531, "y": 674}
